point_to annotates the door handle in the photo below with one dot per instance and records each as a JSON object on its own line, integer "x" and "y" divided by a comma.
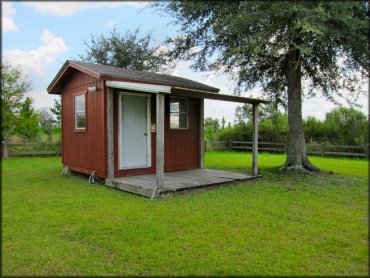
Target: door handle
{"x": 145, "y": 134}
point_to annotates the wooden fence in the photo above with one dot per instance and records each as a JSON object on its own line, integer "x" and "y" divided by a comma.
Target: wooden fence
{"x": 317, "y": 149}
{"x": 30, "y": 149}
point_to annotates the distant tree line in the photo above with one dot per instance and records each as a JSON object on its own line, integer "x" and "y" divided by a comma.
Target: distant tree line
{"x": 341, "y": 126}
{"x": 19, "y": 117}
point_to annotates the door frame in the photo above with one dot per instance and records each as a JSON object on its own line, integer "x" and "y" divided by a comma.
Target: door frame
{"x": 148, "y": 130}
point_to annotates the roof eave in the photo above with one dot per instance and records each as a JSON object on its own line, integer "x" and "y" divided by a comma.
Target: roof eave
{"x": 216, "y": 91}
{"x": 220, "y": 97}
{"x": 68, "y": 64}
{"x": 110, "y": 77}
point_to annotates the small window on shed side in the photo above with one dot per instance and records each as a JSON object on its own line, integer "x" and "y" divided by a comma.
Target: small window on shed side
{"x": 178, "y": 113}
{"x": 80, "y": 111}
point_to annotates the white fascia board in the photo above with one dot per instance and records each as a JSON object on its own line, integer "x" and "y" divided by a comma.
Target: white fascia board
{"x": 138, "y": 87}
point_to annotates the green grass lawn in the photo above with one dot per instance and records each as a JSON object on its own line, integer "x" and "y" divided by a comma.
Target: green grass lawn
{"x": 282, "y": 224}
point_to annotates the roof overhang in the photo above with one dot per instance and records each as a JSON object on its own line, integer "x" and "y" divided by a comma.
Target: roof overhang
{"x": 221, "y": 97}
{"x": 149, "y": 88}
{"x": 55, "y": 88}
{"x": 177, "y": 91}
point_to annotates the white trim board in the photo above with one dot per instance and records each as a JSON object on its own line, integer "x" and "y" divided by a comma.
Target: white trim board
{"x": 149, "y": 88}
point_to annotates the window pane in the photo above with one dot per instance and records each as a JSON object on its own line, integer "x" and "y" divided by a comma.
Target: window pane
{"x": 80, "y": 120}
{"x": 80, "y": 103}
{"x": 80, "y": 114}
{"x": 174, "y": 120}
{"x": 178, "y": 112}
{"x": 174, "y": 105}
{"x": 178, "y": 104}
{"x": 183, "y": 105}
{"x": 183, "y": 121}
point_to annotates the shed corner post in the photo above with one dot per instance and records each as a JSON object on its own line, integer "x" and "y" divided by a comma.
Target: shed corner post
{"x": 255, "y": 140}
{"x": 201, "y": 133}
{"x": 110, "y": 142}
{"x": 4, "y": 150}
{"x": 160, "y": 141}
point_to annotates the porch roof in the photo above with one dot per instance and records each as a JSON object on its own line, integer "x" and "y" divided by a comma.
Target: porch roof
{"x": 222, "y": 97}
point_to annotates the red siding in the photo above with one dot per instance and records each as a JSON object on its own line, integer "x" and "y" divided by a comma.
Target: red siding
{"x": 181, "y": 146}
{"x": 84, "y": 151}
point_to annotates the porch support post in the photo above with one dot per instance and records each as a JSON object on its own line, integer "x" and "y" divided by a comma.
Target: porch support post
{"x": 201, "y": 133}
{"x": 110, "y": 144}
{"x": 160, "y": 141}
{"x": 255, "y": 141}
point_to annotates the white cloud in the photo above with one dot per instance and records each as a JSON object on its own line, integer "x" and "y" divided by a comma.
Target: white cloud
{"x": 61, "y": 8}
{"x": 35, "y": 61}
{"x": 218, "y": 109}
{"x": 7, "y": 21}
{"x": 40, "y": 98}
{"x": 318, "y": 106}
{"x": 109, "y": 24}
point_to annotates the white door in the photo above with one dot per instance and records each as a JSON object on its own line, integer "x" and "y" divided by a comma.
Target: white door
{"x": 134, "y": 135}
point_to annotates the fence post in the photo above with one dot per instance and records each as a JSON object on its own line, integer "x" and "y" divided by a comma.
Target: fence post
{"x": 322, "y": 149}
{"x": 58, "y": 148}
{"x": 4, "y": 150}
{"x": 230, "y": 145}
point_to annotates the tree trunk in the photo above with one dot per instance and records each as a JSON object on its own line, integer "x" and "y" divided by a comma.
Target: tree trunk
{"x": 296, "y": 148}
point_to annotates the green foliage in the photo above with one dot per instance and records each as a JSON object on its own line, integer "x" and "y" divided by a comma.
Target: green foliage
{"x": 276, "y": 45}
{"x": 274, "y": 129}
{"x": 253, "y": 41}
{"x": 213, "y": 123}
{"x": 126, "y": 51}
{"x": 342, "y": 126}
{"x": 280, "y": 225}
{"x": 13, "y": 87}
{"x": 273, "y": 124}
{"x": 316, "y": 131}
{"x": 27, "y": 123}
{"x": 57, "y": 111}
{"x": 223, "y": 122}
{"x": 242, "y": 132}
{"x": 211, "y": 127}
{"x": 347, "y": 125}
{"x": 46, "y": 122}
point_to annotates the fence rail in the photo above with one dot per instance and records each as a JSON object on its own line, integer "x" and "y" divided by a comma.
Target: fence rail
{"x": 30, "y": 149}
{"x": 317, "y": 149}
{"x": 10, "y": 150}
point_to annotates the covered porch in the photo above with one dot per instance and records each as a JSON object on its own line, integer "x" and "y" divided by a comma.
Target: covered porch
{"x": 153, "y": 185}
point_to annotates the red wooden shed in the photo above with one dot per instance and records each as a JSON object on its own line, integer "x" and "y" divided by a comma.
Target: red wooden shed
{"x": 118, "y": 122}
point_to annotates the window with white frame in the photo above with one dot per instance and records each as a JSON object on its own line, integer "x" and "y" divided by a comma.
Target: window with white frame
{"x": 178, "y": 113}
{"x": 80, "y": 111}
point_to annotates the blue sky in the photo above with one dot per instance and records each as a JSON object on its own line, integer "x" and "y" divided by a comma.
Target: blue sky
{"x": 40, "y": 36}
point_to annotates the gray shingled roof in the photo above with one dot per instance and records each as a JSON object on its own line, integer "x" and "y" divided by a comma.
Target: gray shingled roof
{"x": 162, "y": 79}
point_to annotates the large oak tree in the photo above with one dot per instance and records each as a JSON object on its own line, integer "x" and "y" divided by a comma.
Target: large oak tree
{"x": 129, "y": 50}
{"x": 289, "y": 48}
